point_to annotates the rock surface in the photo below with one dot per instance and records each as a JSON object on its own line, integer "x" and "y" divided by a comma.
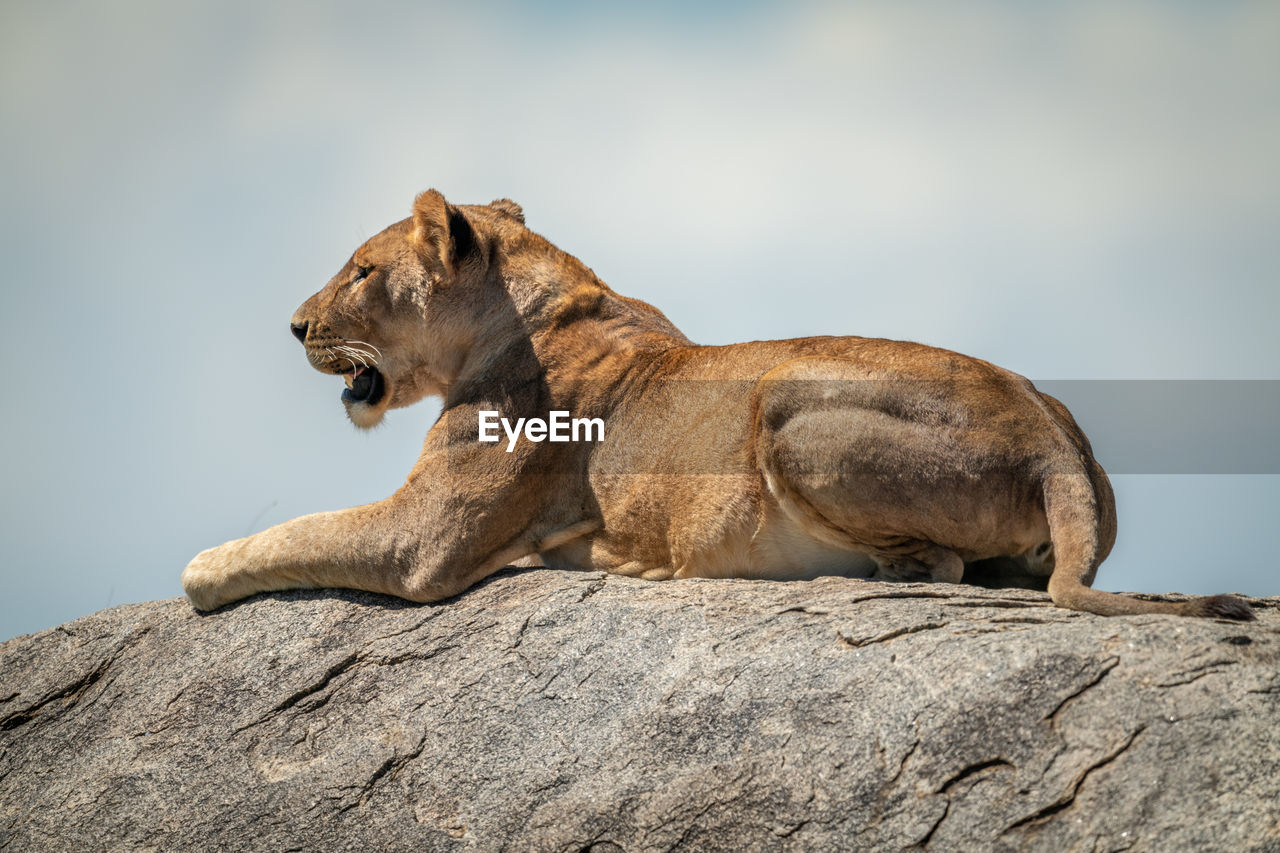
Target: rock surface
{"x": 568, "y": 711}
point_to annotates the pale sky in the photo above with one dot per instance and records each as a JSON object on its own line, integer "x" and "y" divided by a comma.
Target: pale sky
{"x": 1075, "y": 191}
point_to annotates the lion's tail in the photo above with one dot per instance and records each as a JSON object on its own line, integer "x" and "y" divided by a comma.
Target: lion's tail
{"x": 1081, "y": 514}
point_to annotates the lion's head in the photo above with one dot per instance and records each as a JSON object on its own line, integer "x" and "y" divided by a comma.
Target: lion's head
{"x": 399, "y": 318}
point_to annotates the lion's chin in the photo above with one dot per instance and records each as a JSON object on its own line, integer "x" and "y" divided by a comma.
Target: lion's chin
{"x": 363, "y": 415}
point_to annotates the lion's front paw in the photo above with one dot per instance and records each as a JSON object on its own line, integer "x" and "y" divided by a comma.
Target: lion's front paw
{"x": 205, "y": 579}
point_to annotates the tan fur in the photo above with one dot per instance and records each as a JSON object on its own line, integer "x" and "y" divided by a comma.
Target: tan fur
{"x": 773, "y": 459}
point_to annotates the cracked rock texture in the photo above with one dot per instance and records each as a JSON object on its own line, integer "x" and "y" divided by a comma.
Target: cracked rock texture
{"x": 569, "y": 711}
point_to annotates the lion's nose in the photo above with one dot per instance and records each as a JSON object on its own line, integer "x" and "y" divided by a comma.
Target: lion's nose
{"x": 299, "y": 331}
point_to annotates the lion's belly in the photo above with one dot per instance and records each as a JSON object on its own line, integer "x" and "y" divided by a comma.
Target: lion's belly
{"x": 705, "y": 527}
{"x": 779, "y": 550}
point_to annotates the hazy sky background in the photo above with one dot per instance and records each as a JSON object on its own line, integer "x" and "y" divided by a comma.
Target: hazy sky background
{"x": 1071, "y": 190}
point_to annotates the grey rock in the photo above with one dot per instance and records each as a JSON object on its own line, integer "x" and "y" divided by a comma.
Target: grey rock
{"x": 567, "y": 711}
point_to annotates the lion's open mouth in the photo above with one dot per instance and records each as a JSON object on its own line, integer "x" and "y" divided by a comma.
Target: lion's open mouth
{"x": 364, "y": 385}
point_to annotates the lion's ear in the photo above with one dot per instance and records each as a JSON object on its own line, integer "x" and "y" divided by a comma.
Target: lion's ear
{"x": 509, "y": 207}
{"x": 442, "y": 234}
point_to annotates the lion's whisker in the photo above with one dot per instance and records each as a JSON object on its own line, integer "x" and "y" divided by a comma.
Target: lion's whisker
{"x": 377, "y": 353}
{"x": 353, "y": 352}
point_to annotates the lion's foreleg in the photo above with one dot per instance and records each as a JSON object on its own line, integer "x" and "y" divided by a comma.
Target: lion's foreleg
{"x": 385, "y": 547}
{"x": 358, "y": 548}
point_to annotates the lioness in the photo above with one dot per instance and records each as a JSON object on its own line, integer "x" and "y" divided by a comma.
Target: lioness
{"x": 772, "y": 459}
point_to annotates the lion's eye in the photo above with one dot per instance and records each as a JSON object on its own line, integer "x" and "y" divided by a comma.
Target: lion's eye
{"x": 363, "y": 272}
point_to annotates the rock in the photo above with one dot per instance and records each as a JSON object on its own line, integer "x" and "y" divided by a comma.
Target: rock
{"x": 567, "y": 711}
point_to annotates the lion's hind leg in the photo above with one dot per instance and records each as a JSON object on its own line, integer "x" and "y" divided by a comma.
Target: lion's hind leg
{"x": 859, "y": 442}
{"x": 841, "y": 467}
